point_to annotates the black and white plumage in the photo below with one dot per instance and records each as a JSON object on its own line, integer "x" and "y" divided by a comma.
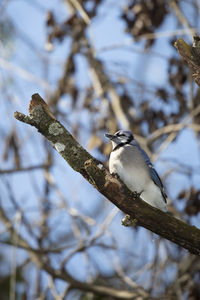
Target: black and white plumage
{"x": 135, "y": 169}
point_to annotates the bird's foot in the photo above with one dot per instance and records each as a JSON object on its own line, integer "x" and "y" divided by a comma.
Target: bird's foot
{"x": 116, "y": 175}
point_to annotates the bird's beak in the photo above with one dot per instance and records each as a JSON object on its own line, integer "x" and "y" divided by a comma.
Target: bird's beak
{"x": 110, "y": 136}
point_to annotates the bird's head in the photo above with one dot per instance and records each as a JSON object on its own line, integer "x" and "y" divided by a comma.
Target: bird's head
{"x": 120, "y": 137}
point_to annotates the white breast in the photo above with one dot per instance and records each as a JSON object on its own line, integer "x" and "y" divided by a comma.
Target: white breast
{"x": 131, "y": 167}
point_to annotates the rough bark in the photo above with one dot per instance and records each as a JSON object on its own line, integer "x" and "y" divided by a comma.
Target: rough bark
{"x": 191, "y": 54}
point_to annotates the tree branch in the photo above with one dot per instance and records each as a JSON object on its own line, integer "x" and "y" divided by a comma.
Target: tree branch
{"x": 130, "y": 203}
{"x": 191, "y": 54}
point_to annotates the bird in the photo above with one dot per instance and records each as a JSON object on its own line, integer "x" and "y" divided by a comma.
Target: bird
{"x": 133, "y": 166}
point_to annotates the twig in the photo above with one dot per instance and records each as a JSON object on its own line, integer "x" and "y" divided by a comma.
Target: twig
{"x": 24, "y": 74}
{"x": 171, "y": 128}
{"x": 173, "y": 134}
{"x": 53, "y": 289}
{"x": 101, "y": 84}
{"x": 13, "y": 262}
{"x": 82, "y": 12}
{"x": 182, "y": 18}
{"x": 23, "y": 169}
{"x": 164, "y": 34}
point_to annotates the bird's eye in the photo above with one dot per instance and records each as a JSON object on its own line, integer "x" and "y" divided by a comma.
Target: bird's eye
{"x": 120, "y": 134}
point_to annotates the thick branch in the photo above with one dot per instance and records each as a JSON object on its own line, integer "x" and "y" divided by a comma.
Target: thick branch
{"x": 191, "y": 54}
{"x": 81, "y": 161}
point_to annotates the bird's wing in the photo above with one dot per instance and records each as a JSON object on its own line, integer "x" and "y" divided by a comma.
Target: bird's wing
{"x": 156, "y": 179}
{"x": 154, "y": 175}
